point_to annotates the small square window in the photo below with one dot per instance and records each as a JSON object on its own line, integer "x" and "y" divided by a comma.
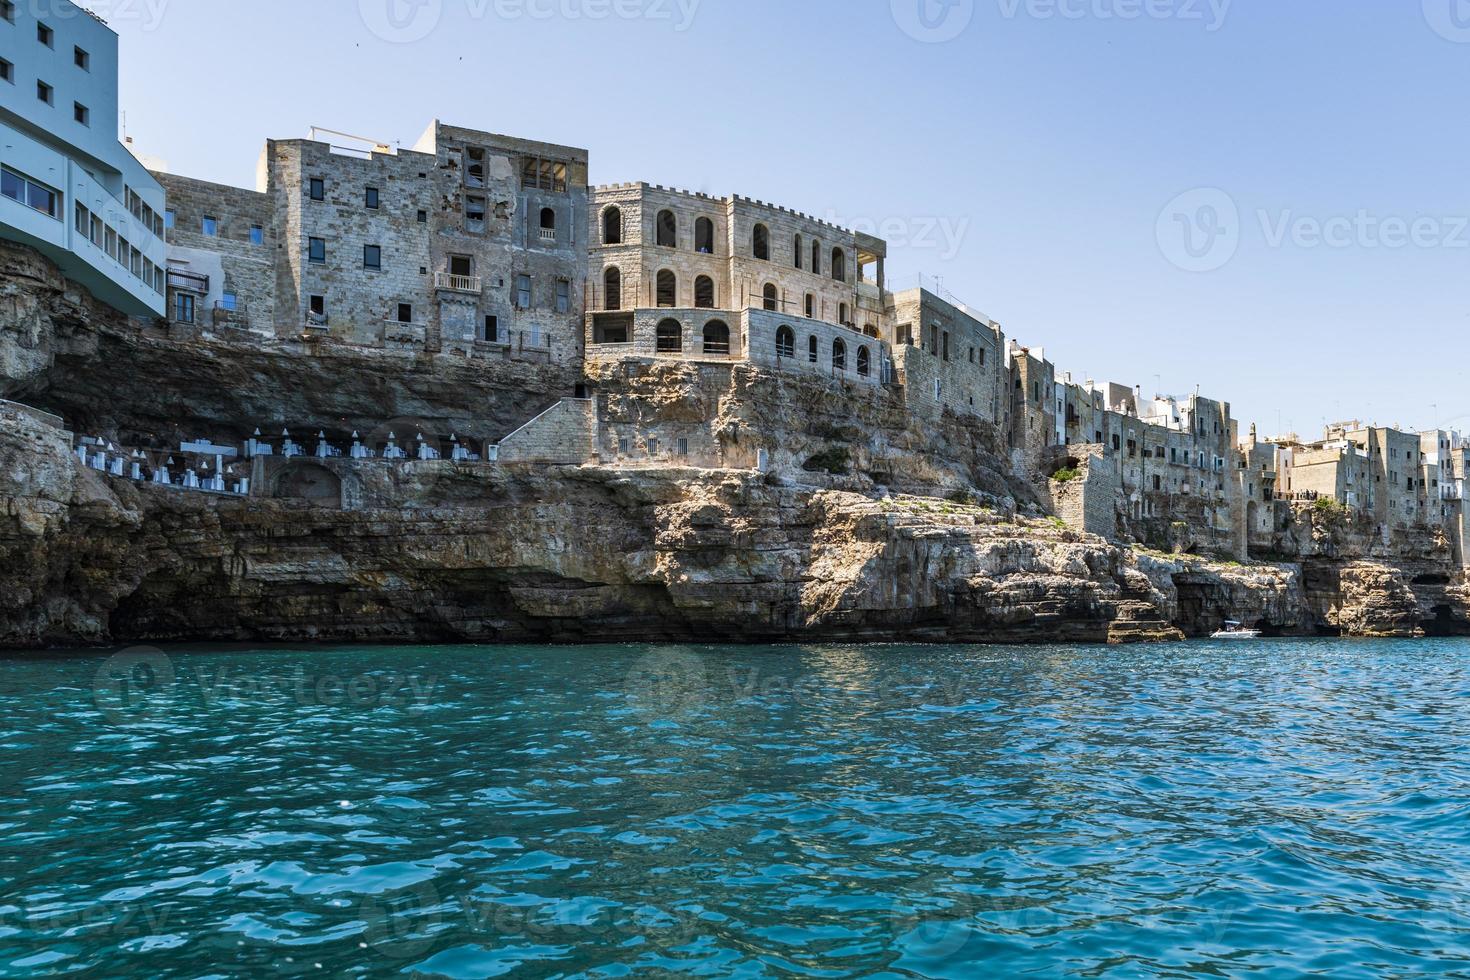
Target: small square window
{"x": 316, "y": 250}
{"x": 82, "y": 58}
{"x": 405, "y": 313}
{"x": 81, "y": 114}
{"x": 7, "y": 71}
{"x": 372, "y": 198}
{"x": 257, "y": 235}
{"x": 318, "y": 189}
{"x": 229, "y": 302}
{"x": 209, "y": 226}
{"x": 45, "y": 35}
{"x": 372, "y": 256}
{"x": 45, "y": 93}
{"x": 423, "y": 217}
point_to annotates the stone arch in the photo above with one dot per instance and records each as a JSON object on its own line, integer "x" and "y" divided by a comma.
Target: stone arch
{"x": 612, "y": 289}
{"x": 612, "y": 226}
{"x": 717, "y": 337}
{"x": 669, "y": 337}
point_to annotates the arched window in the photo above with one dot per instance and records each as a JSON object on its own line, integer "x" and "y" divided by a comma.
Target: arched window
{"x": 817, "y": 258}
{"x": 785, "y": 342}
{"x": 839, "y": 355}
{"x": 704, "y": 293}
{"x": 839, "y": 265}
{"x": 612, "y": 290}
{"x": 842, "y": 314}
{"x": 811, "y": 348}
{"x": 704, "y": 236}
{"x": 769, "y": 296}
{"x": 668, "y": 290}
{"x": 811, "y": 305}
{"x": 670, "y": 339}
{"x": 797, "y": 251}
{"x": 612, "y": 227}
{"x": 548, "y": 219}
{"x": 667, "y": 231}
{"x": 864, "y": 362}
{"x": 716, "y": 337}
{"x": 760, "y": 242}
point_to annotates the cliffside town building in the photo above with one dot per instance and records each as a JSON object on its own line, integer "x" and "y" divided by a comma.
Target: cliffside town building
{"x": 489, "y": 246}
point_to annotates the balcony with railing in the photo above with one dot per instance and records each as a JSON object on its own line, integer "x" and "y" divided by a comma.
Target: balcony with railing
{"x": 458, "y": 284}
{"x": 548, "y": 235}
{"x": 189, "y": 282}
{"x": 232, "y": 316}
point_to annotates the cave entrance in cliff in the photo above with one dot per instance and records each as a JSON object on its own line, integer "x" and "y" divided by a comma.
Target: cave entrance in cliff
{"x": 1444, "y": 623}
{"x": 316, "y": 484}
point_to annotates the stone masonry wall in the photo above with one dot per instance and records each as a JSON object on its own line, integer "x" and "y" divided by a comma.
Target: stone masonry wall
{"x": 564, "y": 434}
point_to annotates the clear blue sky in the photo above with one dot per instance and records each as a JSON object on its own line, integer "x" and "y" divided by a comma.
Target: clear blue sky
{"x": 1027, "y": 161}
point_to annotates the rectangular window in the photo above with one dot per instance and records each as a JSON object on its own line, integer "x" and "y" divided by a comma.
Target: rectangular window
{"x": 683, "y": 445}
{"x": 96, "y": 231}
{"x": 169, "y": 217}
{"x": 229, "y": 301}
{"x": 257, "y": 235}
{"x": 982, "y": 357}
{"x": 135, "y": 262}
{"x": 25, "y": 191}
{"x": 45, "y": 93}
{"x": 405, "y": 313}
{"x": 372, "y": 198}
{"x": 474, "y": 215}
{"x": 84, "y": 221}
{"x": 209, "y": 226}
{"x": 523, "y": 292}
{"x": 45, "y": 34}
{"x": 946, "y": 345}
{"x": 563, "y": 296}
{"x": 372, "y": 256}
{"x": 319, "y": 305}
{"x": 423, "y": 217}
{"x": 82, "y": 58}
{"x": 318, "y": 189}
{"x": 81, "y": 114}
{"x": 7, "y": 71}
{"x": 316, "y": 250}
{"x": 491, "y": 333}
{"x": 184, "y": 307}
{"x": 7, "y": 10}
{"x": 111, "y": 248}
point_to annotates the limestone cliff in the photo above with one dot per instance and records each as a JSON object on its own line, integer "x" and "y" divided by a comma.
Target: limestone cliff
{"x": 879, "y": 526}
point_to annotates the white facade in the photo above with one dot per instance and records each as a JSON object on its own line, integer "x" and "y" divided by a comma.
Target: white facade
{"x": 70, "y": 189}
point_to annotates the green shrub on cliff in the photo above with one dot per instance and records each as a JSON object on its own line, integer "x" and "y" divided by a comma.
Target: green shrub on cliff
{"x": 1327, "y": 507}
{"x": 1065, "y": 475}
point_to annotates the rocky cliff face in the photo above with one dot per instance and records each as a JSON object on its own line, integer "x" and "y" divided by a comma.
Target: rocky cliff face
{"x": 884, "y": 527}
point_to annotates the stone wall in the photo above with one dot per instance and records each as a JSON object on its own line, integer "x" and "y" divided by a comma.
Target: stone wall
{"x": 1088, "y": 501}
{"x": 564, "y": 434}
{"x": 947, "y": 358}
{"x": 233, "y": 261}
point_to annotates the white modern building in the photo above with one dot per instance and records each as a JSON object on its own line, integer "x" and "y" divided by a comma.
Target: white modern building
{"x": 67, "y": 186}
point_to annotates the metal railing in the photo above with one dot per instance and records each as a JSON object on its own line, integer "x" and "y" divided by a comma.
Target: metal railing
{"x": 191, "y": 282}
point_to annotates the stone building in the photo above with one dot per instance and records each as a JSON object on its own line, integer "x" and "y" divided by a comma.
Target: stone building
{"x": 948, "y": 357}
{"x": 471, "y": 242}
{"x": 677, "y": 275}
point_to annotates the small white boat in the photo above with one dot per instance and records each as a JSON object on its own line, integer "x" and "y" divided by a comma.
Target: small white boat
{"x": 1235, "y": 631}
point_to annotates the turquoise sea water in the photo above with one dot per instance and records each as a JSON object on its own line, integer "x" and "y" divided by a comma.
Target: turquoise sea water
{"x": 1278, "y": 809}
